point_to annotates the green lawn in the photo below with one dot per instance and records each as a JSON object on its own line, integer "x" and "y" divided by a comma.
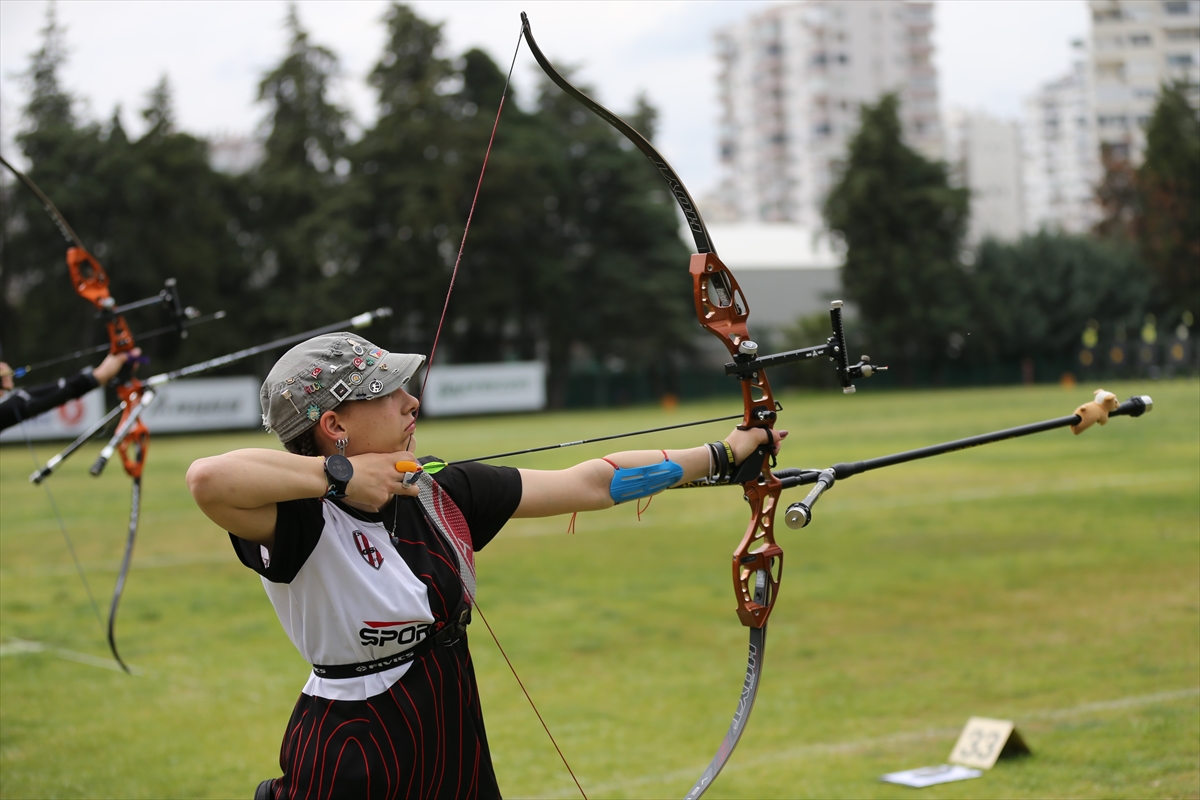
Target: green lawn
{"x": 1052, "y": 580}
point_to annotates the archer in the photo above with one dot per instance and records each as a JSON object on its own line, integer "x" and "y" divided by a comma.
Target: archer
{"x": 367, "y": 554}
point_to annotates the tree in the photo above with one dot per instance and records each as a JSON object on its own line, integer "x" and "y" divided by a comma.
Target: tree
{"x": 147, "y": 210}
{"x": 903, "y": 227}
{"x": 1168, "y": 229}
{"x": 300, "y": 249}
{"x": 41, "y": 312}
{"x": 574, "y": 249}
{"x": 1033, "y": 298}
{"x": 411, "y": 172}
{"x": 1118, "y": 197}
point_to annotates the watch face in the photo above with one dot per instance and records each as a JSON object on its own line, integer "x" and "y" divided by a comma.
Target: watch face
{"x": 339, "y": 468}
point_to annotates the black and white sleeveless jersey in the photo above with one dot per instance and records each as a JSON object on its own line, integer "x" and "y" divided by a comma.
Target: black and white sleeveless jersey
{"x": 345, "y": 594}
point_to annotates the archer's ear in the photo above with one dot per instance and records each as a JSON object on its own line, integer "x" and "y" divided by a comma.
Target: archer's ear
{"x": 330, "y": 428}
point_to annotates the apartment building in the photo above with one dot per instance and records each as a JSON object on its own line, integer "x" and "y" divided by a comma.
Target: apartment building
{"x": 984, "y": 155}
{"x": 1060, "y": 153}
{"x": 1136, "y": 45}
{"x": 791, "y": 81}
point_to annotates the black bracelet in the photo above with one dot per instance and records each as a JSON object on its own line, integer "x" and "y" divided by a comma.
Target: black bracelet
{"x": 714, "y": 465}
{"x": 722, "y": 456}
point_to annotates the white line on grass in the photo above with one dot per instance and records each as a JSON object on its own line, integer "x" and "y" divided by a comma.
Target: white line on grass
{"x": 14, "y": 647}
{"x": 762, "y": 758}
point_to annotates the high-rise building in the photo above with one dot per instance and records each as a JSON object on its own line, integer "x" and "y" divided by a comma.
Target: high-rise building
{"x": 984, "y": 154}
{"x": 792, "y": 79}
{"x": 1136, "y": 46}
{"x": 1060, "y": 154}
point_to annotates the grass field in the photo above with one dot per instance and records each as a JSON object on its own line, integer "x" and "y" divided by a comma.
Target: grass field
{"x": 1052, "y": 580}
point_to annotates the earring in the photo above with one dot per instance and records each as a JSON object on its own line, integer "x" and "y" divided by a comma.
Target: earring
{"x": 340, "y": 444}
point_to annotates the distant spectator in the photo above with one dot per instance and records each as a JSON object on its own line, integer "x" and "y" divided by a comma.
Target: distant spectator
{"x": 27, "y": 402}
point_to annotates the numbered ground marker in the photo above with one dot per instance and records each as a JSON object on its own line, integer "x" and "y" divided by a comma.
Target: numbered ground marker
{"x": 984, "y": 740}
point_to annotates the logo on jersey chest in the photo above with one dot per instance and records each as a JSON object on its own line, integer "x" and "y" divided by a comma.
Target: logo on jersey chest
{"x": 367, "y": 550}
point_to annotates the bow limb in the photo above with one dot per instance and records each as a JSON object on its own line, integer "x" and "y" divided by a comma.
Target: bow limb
{"x": 135, "y": 504}
{"x": 722, "y": 310}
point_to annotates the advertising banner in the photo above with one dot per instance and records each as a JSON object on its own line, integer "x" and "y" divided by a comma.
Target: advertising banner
{"x": 485, "y": 388}
{"x": 206, "y": 404}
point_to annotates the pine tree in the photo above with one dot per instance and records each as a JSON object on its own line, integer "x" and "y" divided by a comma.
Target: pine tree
{"x": 903, "y": 227}
{"x": 42, "y": 314}
{"x": 303, "y": 249}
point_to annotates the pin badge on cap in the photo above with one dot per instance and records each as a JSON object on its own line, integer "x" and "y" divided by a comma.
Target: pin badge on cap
{"x": 314, "y": 413}
{"x": 287, "y": 395}
{"x": 376, "y": 387}
{"x": 340, "y": 390}
{"x": 355, "y": 378}
{"x": 358, "y": 362}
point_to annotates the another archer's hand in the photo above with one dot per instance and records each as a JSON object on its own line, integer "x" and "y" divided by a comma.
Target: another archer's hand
{"x": 111, "y": 366}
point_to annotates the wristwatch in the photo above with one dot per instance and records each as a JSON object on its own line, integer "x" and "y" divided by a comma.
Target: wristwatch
{"x": 339, "y": 471}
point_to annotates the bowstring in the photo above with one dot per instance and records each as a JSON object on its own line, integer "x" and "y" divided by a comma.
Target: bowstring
{"x": 61, "y": 525}
{"x": 470, "y": 215}
{"x": 429, "y": 369}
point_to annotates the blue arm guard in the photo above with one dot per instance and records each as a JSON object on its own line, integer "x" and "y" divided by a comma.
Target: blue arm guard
{"x": 638, "y": 482}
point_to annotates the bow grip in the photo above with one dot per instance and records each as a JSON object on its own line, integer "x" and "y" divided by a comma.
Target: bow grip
{"x": 752, "y": 466}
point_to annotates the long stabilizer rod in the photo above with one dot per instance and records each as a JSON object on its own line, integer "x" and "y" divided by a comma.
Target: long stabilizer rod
{"x": 800, "y": 514}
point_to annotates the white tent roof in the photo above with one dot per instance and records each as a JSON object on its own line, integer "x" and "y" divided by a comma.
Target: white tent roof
{"x": 772, "y": 246}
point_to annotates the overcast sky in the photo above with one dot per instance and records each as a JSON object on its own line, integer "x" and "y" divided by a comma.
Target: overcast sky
{"x": 990, "y": 54}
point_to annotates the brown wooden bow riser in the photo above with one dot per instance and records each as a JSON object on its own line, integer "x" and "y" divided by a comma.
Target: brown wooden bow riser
{"x": 722, "y": 310}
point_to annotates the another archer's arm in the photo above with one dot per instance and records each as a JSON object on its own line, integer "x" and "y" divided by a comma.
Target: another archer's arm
{"x": 588, "y": 486}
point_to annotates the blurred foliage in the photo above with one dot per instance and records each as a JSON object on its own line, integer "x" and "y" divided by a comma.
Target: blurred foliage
{"x": 942, "y": 313}
{"x": 149, "y": 210}
{"x": 1157, "y": 205}
{"x": 903, "y": 226}
{"x": 574, "y": 254}
{"x": 1169, "y": 180}
{"x": 1034, "y": 297}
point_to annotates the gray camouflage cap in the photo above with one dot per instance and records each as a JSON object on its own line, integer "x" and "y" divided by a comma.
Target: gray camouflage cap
{"x": 317, "y": 375}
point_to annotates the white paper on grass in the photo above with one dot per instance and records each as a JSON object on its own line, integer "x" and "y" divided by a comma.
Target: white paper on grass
{"x": 921, "y": 777}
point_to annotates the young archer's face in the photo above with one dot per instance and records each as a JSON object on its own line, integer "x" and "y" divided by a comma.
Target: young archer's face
{"x": 385, "y": 425}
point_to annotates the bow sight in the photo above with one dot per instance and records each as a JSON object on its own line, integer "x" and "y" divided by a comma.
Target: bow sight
{"x": 747, "y": 361}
